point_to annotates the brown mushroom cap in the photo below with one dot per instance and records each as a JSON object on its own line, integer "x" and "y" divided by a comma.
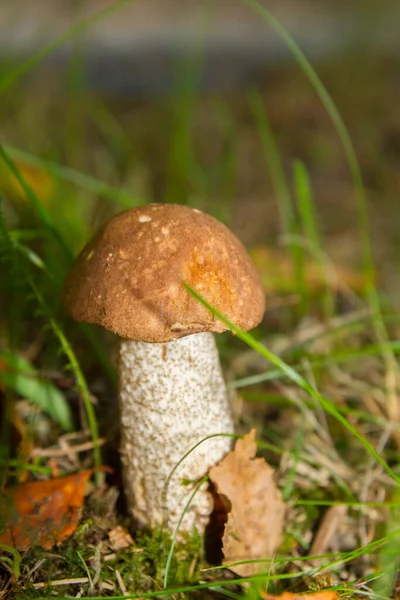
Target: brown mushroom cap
{"x": 128, "y": 277}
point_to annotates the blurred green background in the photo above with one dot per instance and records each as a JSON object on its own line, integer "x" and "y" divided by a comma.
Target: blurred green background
{"x": 153, "y": 99}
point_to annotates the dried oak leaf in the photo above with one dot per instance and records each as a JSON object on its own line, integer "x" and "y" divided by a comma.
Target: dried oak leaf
{"x": 42, "y": 513}
{"x": 255, "y": 520}
{"x": 120, "y": 538}
{"x": 320, "y": 595}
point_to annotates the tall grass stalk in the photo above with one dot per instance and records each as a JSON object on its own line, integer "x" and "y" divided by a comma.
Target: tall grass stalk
{"x": 333, "y": 359}
{"x": 279, "y": 184}
{"x": 80, "y": 379}
{"x": 273, "y": 162}
{"x": 309, "y": 226}
{"x": 183, "y": 168}
{"x": 305, "y": 203}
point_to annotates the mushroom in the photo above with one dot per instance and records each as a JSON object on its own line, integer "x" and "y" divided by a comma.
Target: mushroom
{"x": 128, "y": 279}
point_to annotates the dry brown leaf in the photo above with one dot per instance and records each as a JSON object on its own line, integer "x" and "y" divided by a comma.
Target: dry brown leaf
{"x": 321, "y": 595}
{"x": 42, "y": 513}
{"x": 255, "y": 521}
{"x": 120, "y": 538}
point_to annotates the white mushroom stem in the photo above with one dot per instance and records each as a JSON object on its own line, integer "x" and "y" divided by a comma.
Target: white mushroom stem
{"x": 172, "y": 395}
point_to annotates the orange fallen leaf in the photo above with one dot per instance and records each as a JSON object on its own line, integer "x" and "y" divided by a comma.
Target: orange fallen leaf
{"x": 278, "y": 273}
{"x": 321, "y": 595}
{"x": 255, "y": 521}
{"x": 42, "y": 513}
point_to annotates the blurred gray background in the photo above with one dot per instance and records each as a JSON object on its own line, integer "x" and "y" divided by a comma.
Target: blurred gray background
{"x": 136, "y": 49}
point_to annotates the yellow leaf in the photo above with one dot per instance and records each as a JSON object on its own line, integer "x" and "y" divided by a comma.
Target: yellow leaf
{"x": 36, "y": 178}
{"x": 320, "y": 595}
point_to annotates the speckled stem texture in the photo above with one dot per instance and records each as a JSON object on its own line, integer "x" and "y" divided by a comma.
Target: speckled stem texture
{"x": 172, "y": 395}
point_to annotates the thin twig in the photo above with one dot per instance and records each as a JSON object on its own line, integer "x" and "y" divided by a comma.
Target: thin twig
{"x": 120, "y": 582}
{"x": 55, "y": 452}
{"x": 74, "y": 580}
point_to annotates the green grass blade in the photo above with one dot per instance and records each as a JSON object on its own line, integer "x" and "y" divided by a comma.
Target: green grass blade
{"x": 174, "y": 537}
{"x": 305, "y": 203}
{"x": 333, "y": 359}
{"x": 309, "y": 226}
{"x": 180, "y": 461}
{"x": 273, "y": 163}
{"x": 15, "y": 562}
{"x": 184, "y": 171}
{"x": 280, "y": 186}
